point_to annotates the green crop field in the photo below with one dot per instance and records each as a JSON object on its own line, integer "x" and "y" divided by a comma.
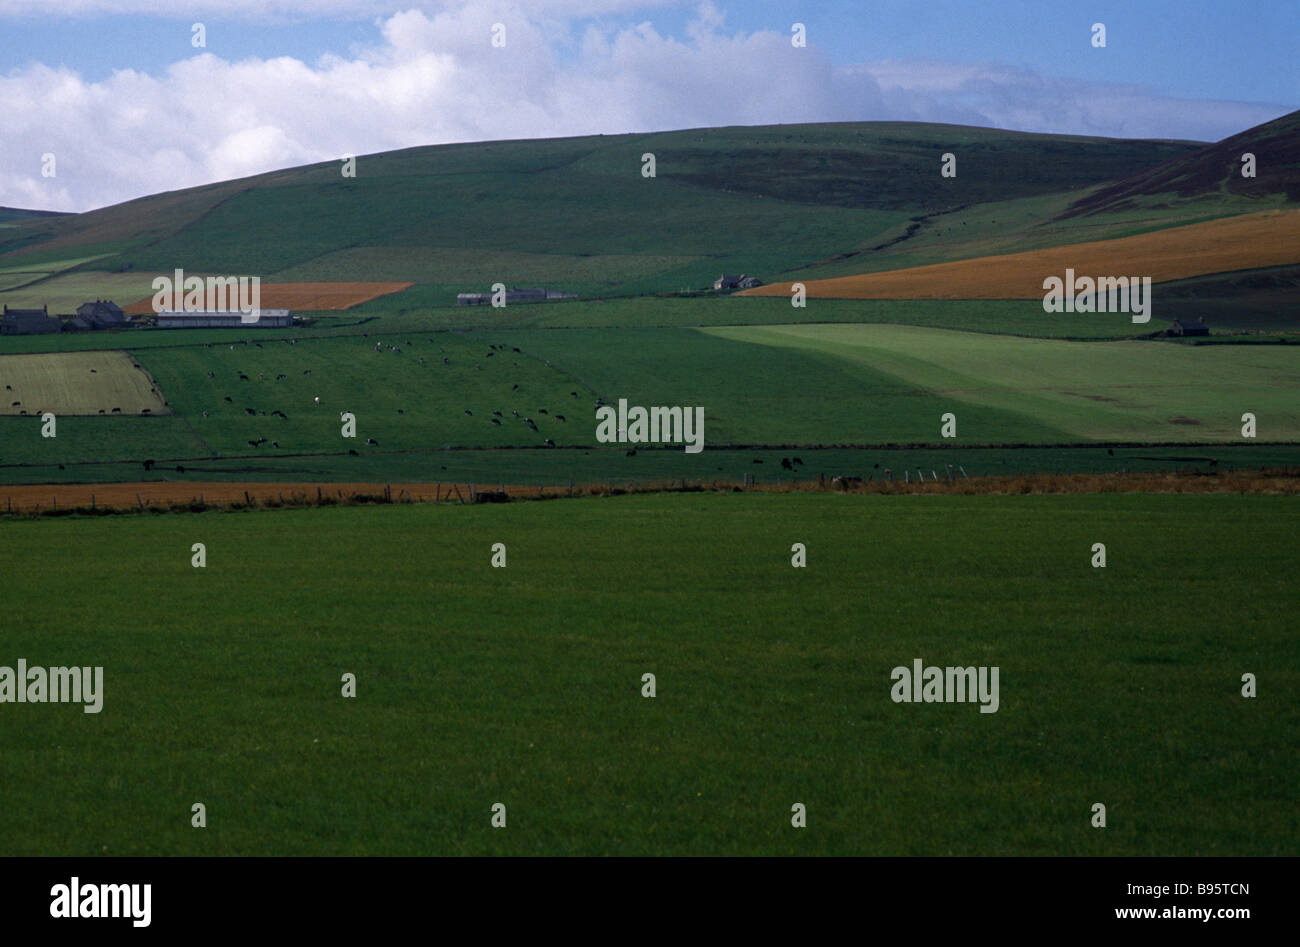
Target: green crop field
{"x": 1083, "y": 390}
{"x": 419, "y": 396}
{"x": 522, "y": 685}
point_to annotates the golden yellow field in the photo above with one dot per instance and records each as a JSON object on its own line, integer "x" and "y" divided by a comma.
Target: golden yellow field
{"x": 308, "y": 297}
{"x": 77, "y": 383}
{"x": 1269, "y": 238}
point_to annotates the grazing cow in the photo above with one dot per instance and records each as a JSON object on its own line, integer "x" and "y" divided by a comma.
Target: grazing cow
{"x": 489, "y": 355}
{"x": 318, "y": 399}
{"x": 249, "y": 411}
{"x": 94, "y": 371}
{"x": 550, "y": 442}
{"x": 275, "y": 443}
{"x": 400, "y": 411}
{"x": 498, "y": 414}
{"x": 211, "y": 375}
{"x": 307, "y": 371}
{"x": 372, "y": 441}
{"x": 469, "y": 412}
{"x": 574, "y": 393}
{"x": 495, "y": 421}
{"x": 631, "y": 453}
{"x": 514, "y": 387}
{"x": 541, "y": 410}
{"x": 228, "y": 398}
{"x": 446, "y": 361}
{"x": 114, "y": 411}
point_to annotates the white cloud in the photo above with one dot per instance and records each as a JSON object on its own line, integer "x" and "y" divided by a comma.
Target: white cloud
{"x": 258, "y": 10}
{"x": 434, "y": 78}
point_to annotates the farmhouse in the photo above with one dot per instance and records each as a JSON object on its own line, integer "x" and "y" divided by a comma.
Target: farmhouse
{"x": 266, "y": 319}
{"x": 101, "y": 314}
{"x": 1181, "y": 328}
{"x": 736, "y": 281}
{"x": 28, "y": 321}
{"x": 514, "y": 295}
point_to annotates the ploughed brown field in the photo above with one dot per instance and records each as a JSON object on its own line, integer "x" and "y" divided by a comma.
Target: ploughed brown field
{"x": 1251, "y": 241}
{"x": 30, "y": 498}
{"x": 305, "y": 297}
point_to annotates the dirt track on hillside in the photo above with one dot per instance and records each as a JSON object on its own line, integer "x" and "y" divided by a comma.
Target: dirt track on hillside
{"x": 1269, "y": 238}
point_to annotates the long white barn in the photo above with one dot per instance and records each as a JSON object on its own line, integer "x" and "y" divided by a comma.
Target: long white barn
{"x": 268, "y": 319}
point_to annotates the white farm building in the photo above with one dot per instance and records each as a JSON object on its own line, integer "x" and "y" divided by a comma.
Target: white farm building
{"x": 267, "y": 319}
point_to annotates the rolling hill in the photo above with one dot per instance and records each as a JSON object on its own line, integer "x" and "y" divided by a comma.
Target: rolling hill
{"x": 760, "y": 199}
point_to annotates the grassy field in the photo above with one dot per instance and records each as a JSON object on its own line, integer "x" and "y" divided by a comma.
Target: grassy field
{"x": 1121, "y": 391}
{"x": 77, "y": 383}
{"x": 478, "y": 685}
{"x": 418, "y": 396}
{"x": 64, "y": 292}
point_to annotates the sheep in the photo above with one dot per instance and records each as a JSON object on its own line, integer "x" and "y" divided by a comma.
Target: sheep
{"x": 318, "y": 399}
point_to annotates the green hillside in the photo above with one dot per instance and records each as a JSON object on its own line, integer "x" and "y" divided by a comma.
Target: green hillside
{"x": 578, "y": 211}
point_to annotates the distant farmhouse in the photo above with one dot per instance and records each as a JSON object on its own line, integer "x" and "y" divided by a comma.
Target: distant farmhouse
{"x": 1181, "y": 328}
{"x": 28, "y": 321}
{"x": 736, "y": 281}
{"x": 101, "y": 314}
{"x": 513, "y": 295}
{"x": 267, "y": 319}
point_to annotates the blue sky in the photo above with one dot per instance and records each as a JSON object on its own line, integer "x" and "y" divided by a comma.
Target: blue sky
{"x": 285, "y": 82}
{"x": 1187, "y": 48}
